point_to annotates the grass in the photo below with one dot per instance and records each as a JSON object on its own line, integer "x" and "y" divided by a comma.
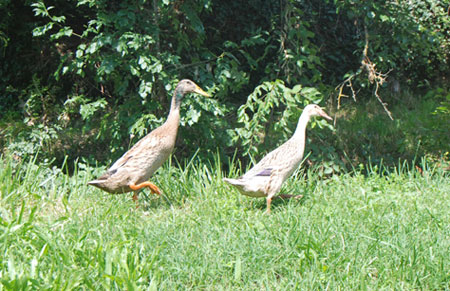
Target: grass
{"x": 365, "y": 131}
{"x": 372, "y": 229}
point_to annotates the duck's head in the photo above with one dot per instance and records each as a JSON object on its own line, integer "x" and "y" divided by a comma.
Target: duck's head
{"x": 315, "y": 110}
{"x": 187, "y": 86}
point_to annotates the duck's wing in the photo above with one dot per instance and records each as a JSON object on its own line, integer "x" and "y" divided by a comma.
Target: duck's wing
{"x": 114, "y": 168}
{"x": 149, "y": 152}
{"x": 265, "y": 172}
{"x": 271, "y": 162}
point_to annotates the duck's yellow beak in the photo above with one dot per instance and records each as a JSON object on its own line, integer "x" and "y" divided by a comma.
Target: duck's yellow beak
{"x": 324, "y": 115}
{"x": 200, "y": 91}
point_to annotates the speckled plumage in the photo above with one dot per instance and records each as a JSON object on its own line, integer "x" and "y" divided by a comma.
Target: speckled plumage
{"x": 268, "y": 175}
{"x": 138, "y": 164}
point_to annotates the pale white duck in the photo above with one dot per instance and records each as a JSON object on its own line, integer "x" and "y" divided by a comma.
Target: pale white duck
{"x": 132, "y": 171}
{"x": 266, "y": 177}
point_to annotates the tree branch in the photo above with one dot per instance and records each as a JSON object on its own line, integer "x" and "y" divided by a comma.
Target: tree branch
{"x": 373, "y": 75}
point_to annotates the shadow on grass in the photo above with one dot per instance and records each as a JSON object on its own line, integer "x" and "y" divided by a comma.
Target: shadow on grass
{"x": 259, "y": 203}
{"x": 151, "y": 201}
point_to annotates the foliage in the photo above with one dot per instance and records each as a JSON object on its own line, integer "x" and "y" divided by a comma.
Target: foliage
{"x": 99, "y": 74}
{"x": 373, "y": 229}
{"x": 409, "y": 38}
{"x": 118, "y": 42}
{"x": 444, "y": 97}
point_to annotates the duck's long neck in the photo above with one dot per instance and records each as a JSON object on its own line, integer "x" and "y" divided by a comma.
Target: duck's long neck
{"x": 299, "y": 136}
{"x": 173, "y": 120}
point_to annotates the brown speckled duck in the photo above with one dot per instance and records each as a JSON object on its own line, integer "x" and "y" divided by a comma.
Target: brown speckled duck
{"x": 267, "y": 176}
{"x": 132, "y": 171}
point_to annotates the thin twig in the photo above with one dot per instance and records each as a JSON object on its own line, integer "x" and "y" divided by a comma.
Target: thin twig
{"x": 373, "y": 75}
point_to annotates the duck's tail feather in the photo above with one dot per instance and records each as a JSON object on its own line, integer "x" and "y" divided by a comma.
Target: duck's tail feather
{"x": 234, "y": 182}
{"x": 96, "y": 183}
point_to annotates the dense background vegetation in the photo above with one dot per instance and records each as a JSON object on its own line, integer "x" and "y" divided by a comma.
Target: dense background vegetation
{"x": 88, "y": 78}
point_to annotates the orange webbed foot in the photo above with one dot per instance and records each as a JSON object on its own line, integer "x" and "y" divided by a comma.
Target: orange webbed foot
{"x": 153, "y": 188}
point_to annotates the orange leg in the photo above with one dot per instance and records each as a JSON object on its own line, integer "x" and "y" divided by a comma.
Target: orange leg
{"x": 153, "y": 188}
{"x": 135, "y": 198}
{"x": 269, "y": 201}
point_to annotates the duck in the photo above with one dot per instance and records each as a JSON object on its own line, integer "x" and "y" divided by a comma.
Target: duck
{"x": 132, "y": 171}
{"x": 268, "y": 175}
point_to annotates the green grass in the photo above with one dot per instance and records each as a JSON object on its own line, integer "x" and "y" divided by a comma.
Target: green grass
{"x": 365, "y": 131}
{"x": 380, "y": 230}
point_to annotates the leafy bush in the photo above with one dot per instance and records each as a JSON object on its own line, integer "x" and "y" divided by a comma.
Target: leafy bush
{"x": 94, "y": 76}
{"x": 407, "y": 40}
{"x": 121, "y": 51}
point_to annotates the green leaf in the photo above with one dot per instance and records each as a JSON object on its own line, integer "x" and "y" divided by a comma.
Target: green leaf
{"x": 93, "y": 47}
{"x": 89, "y": 109}
{"x": 41, "y": 30}
{"x": 65, "y": 31}
{"x": 40, "y": 9}
{"x": 296, "y": 89}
